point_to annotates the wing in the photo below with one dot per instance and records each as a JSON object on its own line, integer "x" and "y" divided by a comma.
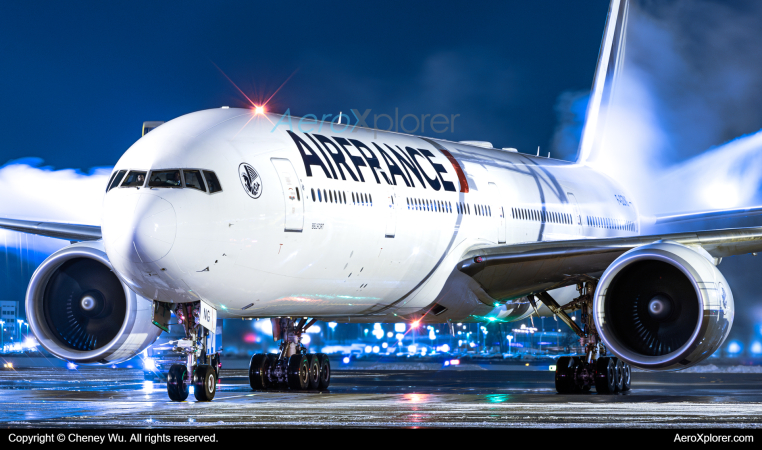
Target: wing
{"x": 68, "y": 231}
{"x": 512, "y": 271}
{"x": 708, "y": 215}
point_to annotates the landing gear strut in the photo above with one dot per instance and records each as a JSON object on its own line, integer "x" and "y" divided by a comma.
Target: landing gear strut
{"x": 292, "y": 366}
{"x": 201, "y": 369}
{"x": 579, "y": 374}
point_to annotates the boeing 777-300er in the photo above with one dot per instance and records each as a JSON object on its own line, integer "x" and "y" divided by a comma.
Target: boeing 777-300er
{"x": 220, "y": 214}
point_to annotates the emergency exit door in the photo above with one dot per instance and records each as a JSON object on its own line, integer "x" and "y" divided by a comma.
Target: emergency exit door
{"x": 292, "y": 194}
{"x": 499, "y": 212}
{"x": 391, "y": 220}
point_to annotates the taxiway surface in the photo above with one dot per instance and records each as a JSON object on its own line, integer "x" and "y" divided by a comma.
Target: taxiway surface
{"x": 87, "y": 397}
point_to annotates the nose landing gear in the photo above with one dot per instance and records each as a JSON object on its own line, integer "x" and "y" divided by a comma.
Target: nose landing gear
{"x": 201, "y": 369}
{"x": 608, "y": 374}
{"x": 292, "y": 367}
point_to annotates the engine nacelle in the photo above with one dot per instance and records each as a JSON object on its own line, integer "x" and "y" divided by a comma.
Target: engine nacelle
{"x": 80, "y": 311}
{"x": 663, "y": 306}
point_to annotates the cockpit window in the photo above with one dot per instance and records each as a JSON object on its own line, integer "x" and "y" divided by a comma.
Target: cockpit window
{"x": 193, "y": 180}
{"x": 115, "y": 180}
{"x": 211, "y": 179}
{"x": 165, "y": 179}
{"x": 134, "y": 179}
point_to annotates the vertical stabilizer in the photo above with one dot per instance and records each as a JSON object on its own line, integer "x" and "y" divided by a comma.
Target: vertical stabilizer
{"x": 610, "y": 62}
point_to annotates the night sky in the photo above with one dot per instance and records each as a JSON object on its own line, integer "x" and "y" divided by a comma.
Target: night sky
{"x": 79, "y": 78}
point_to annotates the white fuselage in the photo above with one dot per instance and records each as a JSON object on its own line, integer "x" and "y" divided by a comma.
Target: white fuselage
{"x": 271, "y": 244}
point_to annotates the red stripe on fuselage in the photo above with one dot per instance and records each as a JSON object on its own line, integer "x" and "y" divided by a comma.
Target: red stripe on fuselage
{"x": 458, "y": 170}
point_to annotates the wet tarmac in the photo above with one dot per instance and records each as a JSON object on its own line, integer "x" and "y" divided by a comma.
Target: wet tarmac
{"x": 53, "y": 397}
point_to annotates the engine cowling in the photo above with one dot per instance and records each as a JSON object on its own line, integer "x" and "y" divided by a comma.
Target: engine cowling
{"x": 81, "y": 312}
{"x": 663, "y": 306}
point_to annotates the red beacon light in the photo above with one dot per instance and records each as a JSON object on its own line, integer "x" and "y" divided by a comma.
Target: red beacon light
{"x": 259, "y": 110}
{"x": 479, "y": 259}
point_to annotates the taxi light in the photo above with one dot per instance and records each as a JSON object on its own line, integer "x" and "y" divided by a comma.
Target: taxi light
{"x": 454, "y": 362}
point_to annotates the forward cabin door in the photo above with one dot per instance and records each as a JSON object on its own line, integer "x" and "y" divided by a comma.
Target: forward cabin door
{"x": 391, "y": 221}
{"x": 498, "y": 212}
{"x": 292, "y": 194}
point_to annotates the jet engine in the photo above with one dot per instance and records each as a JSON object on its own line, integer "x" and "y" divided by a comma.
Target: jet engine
{"x": 663, "y": 306}
{"x": 81, "y": 312}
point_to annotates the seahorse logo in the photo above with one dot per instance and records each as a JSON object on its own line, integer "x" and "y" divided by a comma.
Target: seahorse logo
{"x": 250, "y": 180}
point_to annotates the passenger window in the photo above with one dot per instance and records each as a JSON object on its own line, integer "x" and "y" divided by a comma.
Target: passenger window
{"x": 134, "y": 179}
{"x": 116, "y": 179}
{"x": 320, "y": 197}
{"x": 344, "y": 196}
{"x": 313, "y": 194}
{"x": 212, "y": 181}
{"x": 193, "y": 180}
{"x": 165, "y": 179}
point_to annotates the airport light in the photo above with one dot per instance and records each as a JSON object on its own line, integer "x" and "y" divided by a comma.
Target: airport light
{"x": 149, "y": 364}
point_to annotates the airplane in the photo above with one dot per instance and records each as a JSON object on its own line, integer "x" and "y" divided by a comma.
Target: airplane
{"x": 241, "y": 213}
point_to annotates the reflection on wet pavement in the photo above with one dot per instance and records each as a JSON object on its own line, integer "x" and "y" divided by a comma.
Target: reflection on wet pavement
{"x": 122, "y": 398}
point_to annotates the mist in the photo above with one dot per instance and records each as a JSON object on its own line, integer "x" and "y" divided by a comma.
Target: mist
{"x": 683, "y": 129}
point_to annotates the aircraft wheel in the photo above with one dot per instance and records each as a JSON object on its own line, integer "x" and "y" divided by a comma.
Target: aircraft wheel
{"x": 605, "y": 376}
{"x": 216, "y": 365}
{"x": 314, "y": 372}
{"x": 325, "y": 371}
{"x": 619, "y": 370}
{"x": 298, "y": 372}
{"x": 626, "y": 377}
{"x": 565, "y": 368}
{"x": 177, "y": 388}
{"x": 259, "y": 369}
{"x": 204, "y": 383}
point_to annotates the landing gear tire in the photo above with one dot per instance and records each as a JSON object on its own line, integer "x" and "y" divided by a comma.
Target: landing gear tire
{"x": 259, "y": 368}
{"x": 177, "y": 388}
{"x": 204, "y": 383}
{"x": 215, "y": 363}
{"x": 314, "y": 372}
{"x": 325, "y": 371}
{"x": 619, "y": 365}
{"x": 626, "y": 377}
{"x": 565, "y": 372}
{"x": 605, "y": 377}
{"x": 298, "y": 372}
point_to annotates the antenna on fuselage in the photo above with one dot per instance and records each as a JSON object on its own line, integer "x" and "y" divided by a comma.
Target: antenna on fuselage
{"x": 339, "y": 118}
{"x": 538, "y": 151}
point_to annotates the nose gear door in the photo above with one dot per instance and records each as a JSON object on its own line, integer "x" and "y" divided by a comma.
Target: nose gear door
{"x": 292, "y": 194}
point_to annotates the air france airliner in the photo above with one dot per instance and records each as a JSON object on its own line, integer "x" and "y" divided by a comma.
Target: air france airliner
{"x": 239, "y": 213}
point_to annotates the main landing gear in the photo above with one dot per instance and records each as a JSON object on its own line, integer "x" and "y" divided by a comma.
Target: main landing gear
{"x": 574, "y": 374}
{"x": 292, "y": 366}
{"x": 201, "y": 369}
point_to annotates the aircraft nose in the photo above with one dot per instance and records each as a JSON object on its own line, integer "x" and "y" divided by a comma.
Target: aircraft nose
{"x": 143, "y": 230}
